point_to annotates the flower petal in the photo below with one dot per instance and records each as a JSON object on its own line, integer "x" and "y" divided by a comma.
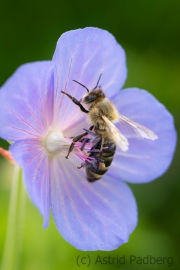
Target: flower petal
{"x": 145, "y": 160}
{"x": 89, "y": 216}
{"x": 83, "y": 55}
{"x": 31, "y": 156}
{"x": 26, "y": 102}
{"x": 98, "y": 216}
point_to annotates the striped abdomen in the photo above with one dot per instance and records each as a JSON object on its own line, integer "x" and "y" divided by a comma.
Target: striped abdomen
{"x": 107, "y": 155}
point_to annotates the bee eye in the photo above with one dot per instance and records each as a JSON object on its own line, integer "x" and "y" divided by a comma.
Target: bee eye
{"x": 91, "y": 97}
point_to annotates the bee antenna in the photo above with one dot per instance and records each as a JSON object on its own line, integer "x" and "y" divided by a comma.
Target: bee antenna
{"x": 97, "y": 82}
{"x": 81, "y": 85}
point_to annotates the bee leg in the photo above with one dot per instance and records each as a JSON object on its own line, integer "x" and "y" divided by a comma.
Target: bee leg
{"x": 76, "y": 102}
{"x": 84, "y": 141}
{"x": 71, "y": 147}
{"x": 77, "y": 139}
{"x": 79, "y": 167}
{"x": 102, "y": 143}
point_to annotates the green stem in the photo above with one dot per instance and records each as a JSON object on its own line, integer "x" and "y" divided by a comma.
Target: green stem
{"x": 10, "y": 241}
{"x": 20, "y": 224}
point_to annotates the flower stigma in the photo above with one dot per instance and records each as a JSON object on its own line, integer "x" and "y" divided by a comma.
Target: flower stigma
{"x": 55, "y": 142}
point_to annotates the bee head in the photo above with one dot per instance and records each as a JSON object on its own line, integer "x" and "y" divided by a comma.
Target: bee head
{"x": 93, "y": 96}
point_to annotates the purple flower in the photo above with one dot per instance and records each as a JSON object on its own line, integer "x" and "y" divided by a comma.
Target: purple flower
{"x": 40, "y": 122}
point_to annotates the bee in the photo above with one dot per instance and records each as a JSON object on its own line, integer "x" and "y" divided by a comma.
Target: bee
{"x": 102, "y": 114}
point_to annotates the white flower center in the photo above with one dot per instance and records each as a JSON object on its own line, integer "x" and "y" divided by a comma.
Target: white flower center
{"x": 55, "y": 142}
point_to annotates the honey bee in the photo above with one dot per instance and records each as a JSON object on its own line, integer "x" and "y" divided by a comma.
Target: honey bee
{"x": 102, "y": 114}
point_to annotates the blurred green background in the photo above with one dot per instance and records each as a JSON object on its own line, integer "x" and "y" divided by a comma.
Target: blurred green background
{"x": 149, "y": 31}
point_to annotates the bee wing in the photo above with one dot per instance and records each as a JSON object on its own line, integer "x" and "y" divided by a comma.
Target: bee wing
{"x": 137, "y": 129}
{"x": 116, "y": 135}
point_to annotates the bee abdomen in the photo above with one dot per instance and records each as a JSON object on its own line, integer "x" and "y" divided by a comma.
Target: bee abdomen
{"x": 93, "y": 175}
{"x": 107, "y": 155}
